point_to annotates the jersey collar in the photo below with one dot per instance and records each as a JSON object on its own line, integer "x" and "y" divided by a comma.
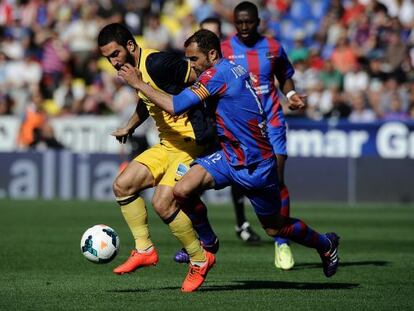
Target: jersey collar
{"x": 139, "y": 58}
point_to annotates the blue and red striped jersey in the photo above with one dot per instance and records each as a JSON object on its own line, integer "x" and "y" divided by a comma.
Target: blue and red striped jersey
{"x": 241, "y": 124}
{"x": 264, "y": 61}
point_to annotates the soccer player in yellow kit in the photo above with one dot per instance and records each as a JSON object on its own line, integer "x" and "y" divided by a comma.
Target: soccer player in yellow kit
{"x": 163, "y": 164}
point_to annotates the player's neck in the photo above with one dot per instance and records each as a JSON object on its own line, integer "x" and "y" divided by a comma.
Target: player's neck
{"x": 251, "y": 41}
{"x": 216, "y": 61}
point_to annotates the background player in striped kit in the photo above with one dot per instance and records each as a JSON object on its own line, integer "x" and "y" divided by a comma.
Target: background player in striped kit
{"x": 265, "y": 59}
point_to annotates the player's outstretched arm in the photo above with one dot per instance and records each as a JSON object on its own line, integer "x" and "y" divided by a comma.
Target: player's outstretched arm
{"x": 133, "y": 77}
{"x": 136, "y": 119}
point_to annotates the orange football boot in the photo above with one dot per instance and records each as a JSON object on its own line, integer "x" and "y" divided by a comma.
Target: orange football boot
{"x": 196, "y": 275}
{"x": 137, "y": 260}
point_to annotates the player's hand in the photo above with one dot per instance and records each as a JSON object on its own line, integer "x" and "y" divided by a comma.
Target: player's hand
{"x": 297, "y": 101}
{"x": 131, "y": 75}
{"x": 122, "y": 134}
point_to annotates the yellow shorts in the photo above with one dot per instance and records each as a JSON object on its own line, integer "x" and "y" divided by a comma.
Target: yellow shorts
{"x": 168, "y": 164}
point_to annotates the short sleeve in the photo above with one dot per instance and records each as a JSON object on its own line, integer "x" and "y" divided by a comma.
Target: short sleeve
{"x": 283, "y": 68}
{"x": 212, "y": 82}
{"x": 185, "y": 100}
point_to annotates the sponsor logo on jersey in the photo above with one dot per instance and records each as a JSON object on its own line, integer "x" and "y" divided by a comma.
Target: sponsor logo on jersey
{"x": 240, "y": 56}
{"x": 261, "y": 89}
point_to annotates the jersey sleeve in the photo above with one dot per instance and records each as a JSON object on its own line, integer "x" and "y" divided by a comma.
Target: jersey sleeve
{"x": 185, "y": 100}
{"x": 213, "y": 82}
{"x": 169, "y": 71}
{"x": 210, "y": 83}
{"x": 283, "y": 68}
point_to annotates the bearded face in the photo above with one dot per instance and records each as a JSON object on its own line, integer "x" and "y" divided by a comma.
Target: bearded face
{"x": 117, "y": 55}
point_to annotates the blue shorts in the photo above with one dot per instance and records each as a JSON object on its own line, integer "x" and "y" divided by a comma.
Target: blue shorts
{"x": 259, "y": 181}
{"x": 277, "y": 137}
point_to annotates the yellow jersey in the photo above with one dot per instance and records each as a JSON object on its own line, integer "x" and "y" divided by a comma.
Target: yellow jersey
{"x": 169, "y": 73}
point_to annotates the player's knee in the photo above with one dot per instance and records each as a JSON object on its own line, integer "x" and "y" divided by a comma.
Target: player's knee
{"x": 121, "y": 187}
{"x": 161, "y": 207}
{"x": 181, "y": 192}
{"x": 117, "y": 188}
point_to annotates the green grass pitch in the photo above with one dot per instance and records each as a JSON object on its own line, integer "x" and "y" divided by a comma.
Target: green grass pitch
{"x": 41, "y": 267}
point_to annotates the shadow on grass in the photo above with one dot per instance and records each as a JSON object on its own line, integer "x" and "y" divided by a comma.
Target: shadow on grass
{"x": 377, "y": 263}
{"x": 244, "y": 285}
{"x": 129, "y": 290}
{"x": 251, "y": 284}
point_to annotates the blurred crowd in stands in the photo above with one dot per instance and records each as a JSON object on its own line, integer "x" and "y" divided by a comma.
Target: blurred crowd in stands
{"x": 354, "y": 59}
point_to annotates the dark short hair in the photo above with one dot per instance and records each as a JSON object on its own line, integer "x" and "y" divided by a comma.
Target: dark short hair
{"x": 247, "y": 6}
{"x": 206, "y": 41}
{"x": 115, "y": 33}
{"x": 211, "y": 20}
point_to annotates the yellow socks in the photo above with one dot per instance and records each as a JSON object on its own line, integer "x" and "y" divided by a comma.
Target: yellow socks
{"x": 135, "y": 214}
{"x": 181, "y": 227}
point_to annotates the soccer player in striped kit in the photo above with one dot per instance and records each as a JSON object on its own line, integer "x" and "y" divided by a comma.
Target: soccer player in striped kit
{"x": 244, "y": 230}
{"x": 265, "y": 59}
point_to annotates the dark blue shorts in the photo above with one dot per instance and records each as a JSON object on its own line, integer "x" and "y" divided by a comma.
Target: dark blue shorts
{"x": 259, "y": 181}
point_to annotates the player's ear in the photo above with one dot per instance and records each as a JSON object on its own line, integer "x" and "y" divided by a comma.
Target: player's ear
{"x": 213, "y": 55}
{"x": 130, "y": 46}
